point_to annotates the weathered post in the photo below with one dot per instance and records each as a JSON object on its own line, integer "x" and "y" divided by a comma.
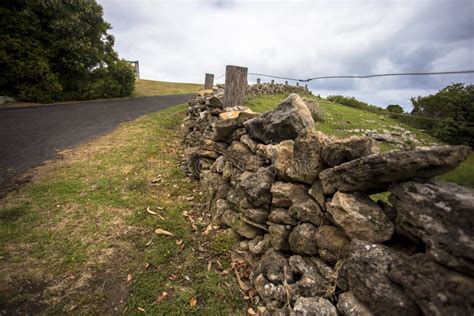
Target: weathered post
{"x": 209, "y": 81}
{"x": 286, "y": 82}
{"x": 297, "y": 84}
{"x": 306, "y": 87}
{"x": 258, "y": 80}
{"x": 235, "y": 85}
{"x": 273, "y": 81}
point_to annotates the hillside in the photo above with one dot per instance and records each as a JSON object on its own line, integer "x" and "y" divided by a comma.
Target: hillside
{"x": 146, "y": 88}
{"x": 344, "y": 121}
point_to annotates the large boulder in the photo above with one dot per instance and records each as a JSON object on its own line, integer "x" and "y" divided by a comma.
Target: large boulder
{"x": 284, "y": 122}
{"x": 441, "y": 214}
{"x": 303, "y": 239}
{"x": 375, "y": 173}
{"x": 435, "y": 289}
{"x": 360, "y": 217}
{"x": 366, "y": 273}
{"x": 313, "y": 306}
{"x": 347, "y": 149}
{"x": 332, "y": 243}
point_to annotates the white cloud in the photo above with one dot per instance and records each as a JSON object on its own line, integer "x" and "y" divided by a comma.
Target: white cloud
{"x": 182, "y": 40}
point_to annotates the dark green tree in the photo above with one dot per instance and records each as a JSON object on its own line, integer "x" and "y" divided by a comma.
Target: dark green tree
{"x": 394, "y": 108}
{"x": 59, "y": 50}
{"x": 451, "y": 113}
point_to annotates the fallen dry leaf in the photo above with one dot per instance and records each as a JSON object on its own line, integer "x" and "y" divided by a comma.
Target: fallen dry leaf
{"x": 163, "y": 296}
{"x": 148, "y": 243}
{"x": 193, "y": 301}
{"x": 179, "y": 241}
{"x": 141, "y": 309}
{"x": 129, "y": 278}
{"x": 209, "y": 266}
{"x": 161, "y": 231}
{"x": 147, "y": 265}
{"x": 150, "y": 211}
{"x": 251, "y": 311}
{"x": 208, "y": 229}
{"x": 173, "y": 277}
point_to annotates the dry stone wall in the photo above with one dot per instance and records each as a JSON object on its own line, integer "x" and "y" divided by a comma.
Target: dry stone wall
{"x": 316, "y": 242}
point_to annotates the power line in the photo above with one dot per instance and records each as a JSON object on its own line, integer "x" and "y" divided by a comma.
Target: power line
{"x": 368, "y": 76}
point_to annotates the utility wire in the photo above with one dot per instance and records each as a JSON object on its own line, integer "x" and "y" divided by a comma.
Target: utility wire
{"x": 368, "y": 76}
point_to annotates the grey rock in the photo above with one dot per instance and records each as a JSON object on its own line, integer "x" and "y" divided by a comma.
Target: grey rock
{"x": 234, "y": 220}
{"x": 284, "y": 194}
{"x": 349, "y": 305}
{"x": 259, "y": 245}
{"x": 436, "y": 290}
{"x": 284, "y": 122}
{"x": 281, "y": 216}
{"x": 347, "y": 149}
{"x": 366, "y": 273}
{"x": 316, "y": 191}
{"x": 306, "y": 210}
{"x": 441, "y": 215}
{"x": 313, "y": 306}
{"x": 273, "y": 295}
{"x": 325, "y": 270}
{"x": 279, "y": 237}
{"x": 231, "y": 120}
{"x": 256, "y": 215}
{"x": 257, "y": 186}
{"x": 303, "y": 239}
{"x": 311, "y": 282}
{"x": 360, "y": 217}
{"x": 274, "y": 266}
{"x": 242, "y": 157}
{"x": 332, "y": 244}
{"x": 375, "y": 173}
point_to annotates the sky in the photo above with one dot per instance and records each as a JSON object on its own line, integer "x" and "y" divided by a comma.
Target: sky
{"x": 182, "y": 40}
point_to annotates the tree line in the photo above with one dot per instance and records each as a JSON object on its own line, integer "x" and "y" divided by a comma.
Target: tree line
{"x": 59, "y": 50}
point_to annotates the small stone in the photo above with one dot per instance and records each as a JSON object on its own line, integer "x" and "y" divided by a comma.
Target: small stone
{"x": 306, "y": 210}
{"x": 256, "y": 215}
{"x": 281, "y": 216}
{"x": 279, "y": 237}
{"x": 313, "y": 306}
{"x": 259, "y": 245}
{"x": 303, "y": 239}
{"x": 284, "y": 194}
{"x": 360, "y": 217}
{"x": 343, "y": 150}
{"x": 233, "y": 220}
{"x": 349, "y": 305}
{"x": 332, "y": 244}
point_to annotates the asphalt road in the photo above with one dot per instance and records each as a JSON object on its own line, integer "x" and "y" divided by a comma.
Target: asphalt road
{"x": 30, "y": 136}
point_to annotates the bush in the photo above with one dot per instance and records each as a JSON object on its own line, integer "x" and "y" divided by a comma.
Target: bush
{"x": 353, "y": 102}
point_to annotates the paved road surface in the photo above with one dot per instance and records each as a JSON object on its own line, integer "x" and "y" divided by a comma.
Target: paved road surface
{"x": 29, "y": 136}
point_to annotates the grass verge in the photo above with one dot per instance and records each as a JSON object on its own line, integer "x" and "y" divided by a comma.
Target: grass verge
{"x": 146, "y": 88}
{"x": 79, "y": 238}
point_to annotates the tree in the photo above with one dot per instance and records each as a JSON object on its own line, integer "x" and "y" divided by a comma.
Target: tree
{"x": 452, "y": 109}
{"x": 395, "y": 108}
{"x": 58, "y": 50}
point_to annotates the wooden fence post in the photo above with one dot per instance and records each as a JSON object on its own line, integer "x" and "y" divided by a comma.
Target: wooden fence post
{"x": 273, "y": 81}
{"x": 258, "y": 80}
{"x": 297, "y": 84}
{"x": 286, "y": 82}
{"x": 306, "y": 87}
{"x": 209, "y": 81}
{"x": 235, "y": 85}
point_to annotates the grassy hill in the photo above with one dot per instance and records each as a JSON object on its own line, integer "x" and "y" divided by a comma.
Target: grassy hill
{"x": 146, "y": 88}
{"x": 341, "y": 121}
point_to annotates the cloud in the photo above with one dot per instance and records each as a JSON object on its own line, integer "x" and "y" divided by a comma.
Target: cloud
{"x": 182, "y": 40}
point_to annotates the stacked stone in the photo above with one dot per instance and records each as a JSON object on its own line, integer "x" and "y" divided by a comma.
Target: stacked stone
{"x": 274, "y": 88}
{"x": 317, "y": 243}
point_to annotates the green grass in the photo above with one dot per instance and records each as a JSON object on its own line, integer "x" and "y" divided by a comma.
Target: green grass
{"x": 340, "y": 119}
{"x": 81, "y": 227}
{"x": 146, "y": 88}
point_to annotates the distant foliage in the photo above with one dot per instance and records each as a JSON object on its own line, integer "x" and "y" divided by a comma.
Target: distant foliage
{"x": 353, "y": 102}
{"x": 59, "y": 50}
{"x": 446, "y": 112}
{"x": 394, "y": 108}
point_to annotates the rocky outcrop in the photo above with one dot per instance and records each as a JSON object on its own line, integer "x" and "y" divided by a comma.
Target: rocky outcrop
{"x": 310, "y": 233}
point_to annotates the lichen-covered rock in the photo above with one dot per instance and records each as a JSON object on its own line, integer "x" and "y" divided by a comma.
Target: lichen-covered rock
{"x": 332, "y": 243}
{"x": 360, "y": 217}
{"x": 316, "y": 191}
{"x": 281, "y": 216}
{"x": 273, "y": 295}
{"x": 366, "y": 273}
{"x": 257, "y": 186}
{"x": 303, "y": 239}
{"x": 256, "y": 215}
{"x": 259, "y": 245}
{"x": 240, "y": 155}
{"x": 375, "y": 173}
{"x": 343, "y": 150}
{"x": 311, "y": 282}
{"x": 284, "y": 194}
{"x": 349, "y": 305}
{"x": 441, "y": 214}
{"x": 231, "y": 120}
{"x": 435, "y": 289}
{"x": 279, "y": 237}
{"x": 234, "y": 220}
{"x": 274, "y": 266}
{"x": 306, "y": 210}
{"x": 284, "y": 122}
{"x": 313, "y": 306}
